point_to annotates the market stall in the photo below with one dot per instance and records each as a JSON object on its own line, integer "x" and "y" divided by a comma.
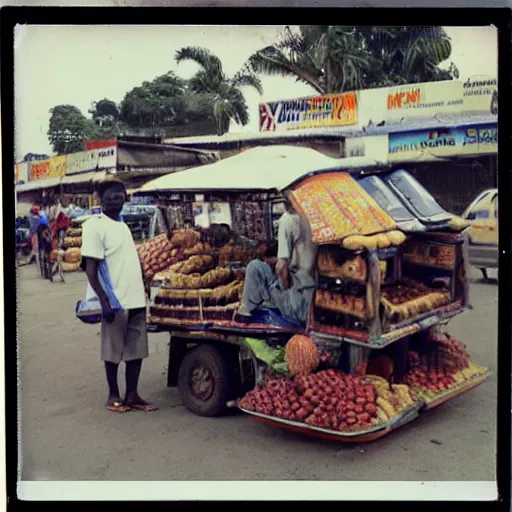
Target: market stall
{"x": 390, "y": 268}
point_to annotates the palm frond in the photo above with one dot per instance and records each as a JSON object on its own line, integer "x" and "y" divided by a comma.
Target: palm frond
{"x": 202, "y": 56}
{"x": 249, "y": 79}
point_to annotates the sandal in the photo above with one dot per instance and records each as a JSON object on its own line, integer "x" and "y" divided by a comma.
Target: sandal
{"x": 118, "y": 407}
{"x": 147, "y": 407}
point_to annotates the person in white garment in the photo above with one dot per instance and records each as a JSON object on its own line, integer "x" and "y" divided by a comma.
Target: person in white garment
{"x": 290, "y": 289}
{"x": 123, "y": 333}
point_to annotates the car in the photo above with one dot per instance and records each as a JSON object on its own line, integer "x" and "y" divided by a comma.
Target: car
{"x": 482, "y": 215}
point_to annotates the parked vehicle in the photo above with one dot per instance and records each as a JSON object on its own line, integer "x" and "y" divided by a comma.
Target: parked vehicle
{"x": 482, "y": 214}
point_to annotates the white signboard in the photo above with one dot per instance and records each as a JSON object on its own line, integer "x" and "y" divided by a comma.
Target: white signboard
{"x": 94, "y": 159}
{"x": 425, "y": 99}
{"x": 373, "y": 146}
{"x": 481, "y": 94}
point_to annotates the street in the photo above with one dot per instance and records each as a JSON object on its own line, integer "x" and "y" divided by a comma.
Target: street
{"x": 67, "y": 434}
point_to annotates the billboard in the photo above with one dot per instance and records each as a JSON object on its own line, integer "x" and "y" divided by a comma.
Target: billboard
{"x": 310, "y": 112}
{"x": 445, "y": 142}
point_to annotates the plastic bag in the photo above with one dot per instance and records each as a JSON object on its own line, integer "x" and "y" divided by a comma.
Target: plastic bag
{"x": 89, "y": 310}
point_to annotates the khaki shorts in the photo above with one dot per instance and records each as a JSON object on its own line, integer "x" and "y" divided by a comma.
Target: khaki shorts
{"x": 126, "y": 338}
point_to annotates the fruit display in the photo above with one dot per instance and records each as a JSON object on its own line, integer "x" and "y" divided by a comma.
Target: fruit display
{"x": 408, "y": 299}
{"x": 301, "y": 355}
{"x": 211, "y": 279}
{"x": 354, "y": 268}
{"x": 443, "y": 365}
{"x": 348, "y": 304}
{"x": 157, "y": 254}
{"x": 425, "y": 253}
{"x": 329, "y": 399}
{"x": 220, "y": 296}
{"x": 72, "y": 255}
{"x": 373, "y": 242}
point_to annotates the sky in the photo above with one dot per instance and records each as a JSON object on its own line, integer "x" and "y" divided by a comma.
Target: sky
{"x": 77, "y": 65}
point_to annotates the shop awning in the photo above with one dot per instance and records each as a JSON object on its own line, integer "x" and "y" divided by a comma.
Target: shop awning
{"x": 38, "y": 184}
{"x": 133, "y": 155}
{"x": 83, "y": 177}
{"x": 261, "y": 168}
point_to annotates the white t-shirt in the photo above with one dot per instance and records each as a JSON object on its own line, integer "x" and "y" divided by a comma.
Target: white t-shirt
{"x": 112, "y": 241}
{"x": 295, "y": 242}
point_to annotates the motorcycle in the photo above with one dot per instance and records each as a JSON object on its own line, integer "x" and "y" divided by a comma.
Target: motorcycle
{"x": 23, "y": 247}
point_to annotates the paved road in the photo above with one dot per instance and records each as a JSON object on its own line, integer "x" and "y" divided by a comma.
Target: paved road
{"x": 68, "y": 435}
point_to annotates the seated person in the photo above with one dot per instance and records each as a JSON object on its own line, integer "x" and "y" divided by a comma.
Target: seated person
{"x": 291, "y": 286}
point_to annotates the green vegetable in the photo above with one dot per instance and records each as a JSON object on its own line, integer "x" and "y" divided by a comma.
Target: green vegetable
{"x": 274, "y": 357}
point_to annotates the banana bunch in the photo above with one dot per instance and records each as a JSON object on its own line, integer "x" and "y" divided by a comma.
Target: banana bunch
{"x": 390, "y": 402}
{"x": 472, "y": 370}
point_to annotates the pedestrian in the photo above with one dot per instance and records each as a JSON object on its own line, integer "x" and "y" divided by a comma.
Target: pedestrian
{"x": 123, "y": 333}
{"x": 34, "y": 221}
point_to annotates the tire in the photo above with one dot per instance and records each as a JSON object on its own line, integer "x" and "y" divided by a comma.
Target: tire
{"x": 208, "y": 368}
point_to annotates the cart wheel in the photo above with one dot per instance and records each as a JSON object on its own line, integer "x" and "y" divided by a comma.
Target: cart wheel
{"x": 203, "y": 381}
{"x": 484, "y": 273}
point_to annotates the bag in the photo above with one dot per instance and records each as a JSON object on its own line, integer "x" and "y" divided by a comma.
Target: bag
{"x": 89, "y": 310}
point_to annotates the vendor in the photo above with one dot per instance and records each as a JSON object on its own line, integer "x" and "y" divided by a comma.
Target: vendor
{"x": 290, "y": 289}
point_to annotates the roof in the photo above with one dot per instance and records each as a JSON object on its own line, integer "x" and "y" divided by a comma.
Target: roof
{"x": 337, "y": 132}
{"x": 137, "y": 154}
{"x": 38, "y": 184}
{"x": 258, "y": 169}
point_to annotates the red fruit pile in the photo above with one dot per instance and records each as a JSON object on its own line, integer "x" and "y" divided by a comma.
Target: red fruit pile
{"x": 327, "y": 399}
{"x": 430, "y": 380}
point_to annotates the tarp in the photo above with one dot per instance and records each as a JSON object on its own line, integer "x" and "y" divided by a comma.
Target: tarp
{"x": 261, "y": 168}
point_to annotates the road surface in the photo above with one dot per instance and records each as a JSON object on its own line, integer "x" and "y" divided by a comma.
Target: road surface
{"x": 67, "y": 434}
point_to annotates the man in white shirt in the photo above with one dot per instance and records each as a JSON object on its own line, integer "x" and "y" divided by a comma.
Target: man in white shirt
{"x": 291, "y": 288}
{"x": 123, "y": 333}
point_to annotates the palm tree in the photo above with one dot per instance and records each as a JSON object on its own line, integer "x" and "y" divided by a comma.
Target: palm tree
{"x": 228, "y": 101}
{"x": 334, "y": 59}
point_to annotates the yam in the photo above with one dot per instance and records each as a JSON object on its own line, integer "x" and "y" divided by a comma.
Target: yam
{"x": 396, "y": 237}
{"x": 382, "y": 241}
{"x": 354, "y": 242}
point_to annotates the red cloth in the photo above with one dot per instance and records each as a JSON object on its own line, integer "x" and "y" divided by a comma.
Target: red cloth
{"x": 61, "y": 222}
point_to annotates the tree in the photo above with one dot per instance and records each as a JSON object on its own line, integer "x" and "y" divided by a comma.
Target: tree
{"x": 164, "y": 101}
{"x": 224, "y": 92}
{"x": 105, "y": 122}
{"x": 68, "y": 129}
{"x": 334, "y": 58}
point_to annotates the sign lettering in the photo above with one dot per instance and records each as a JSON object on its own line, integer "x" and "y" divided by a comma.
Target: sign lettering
{"x": 318, "y": 111}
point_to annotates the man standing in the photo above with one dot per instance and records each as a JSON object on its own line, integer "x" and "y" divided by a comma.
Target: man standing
{"x": 123, "y": 333}
{"x": 291, "y": 288}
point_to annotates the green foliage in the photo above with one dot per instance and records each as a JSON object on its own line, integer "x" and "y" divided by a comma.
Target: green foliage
{"x": 68, "y": 129}
{"x": 335, "y": 58}
{"x": 166, "y": 101}
{"x": 223, "y": 92}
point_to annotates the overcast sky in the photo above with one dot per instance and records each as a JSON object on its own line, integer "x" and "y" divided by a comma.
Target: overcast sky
{"x": 79, "y": 65}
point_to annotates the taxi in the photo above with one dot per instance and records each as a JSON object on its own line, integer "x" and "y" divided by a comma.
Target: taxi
{"x": 482, "y": 215}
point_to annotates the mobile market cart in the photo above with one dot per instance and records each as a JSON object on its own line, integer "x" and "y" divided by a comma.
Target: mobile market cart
{"x": 390, "y": 270}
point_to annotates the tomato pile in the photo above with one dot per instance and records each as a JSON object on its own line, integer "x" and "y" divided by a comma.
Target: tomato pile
{"x": 328, "y": 399}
